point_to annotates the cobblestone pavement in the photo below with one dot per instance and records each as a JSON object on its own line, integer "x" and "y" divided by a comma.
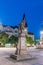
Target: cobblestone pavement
{"x": 5, "y": 60}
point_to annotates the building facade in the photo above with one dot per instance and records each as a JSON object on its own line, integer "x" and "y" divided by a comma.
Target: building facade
{"x": 15, "y": 30}
{"x": 41, "y": 35}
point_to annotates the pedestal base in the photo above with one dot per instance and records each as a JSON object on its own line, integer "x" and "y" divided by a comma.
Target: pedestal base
{"x": 21, "y": 57}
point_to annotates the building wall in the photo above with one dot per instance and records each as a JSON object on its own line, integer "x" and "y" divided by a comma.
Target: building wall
{"x": 13, "y": 31}
{"x": 1, "y": 27}
{"x": 30, "y": 35}
{"x": 41, "y": 35}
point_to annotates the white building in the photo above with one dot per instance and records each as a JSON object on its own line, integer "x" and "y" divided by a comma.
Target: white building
{"x": 41, "y": 35}
{"x": 1, "y": 27}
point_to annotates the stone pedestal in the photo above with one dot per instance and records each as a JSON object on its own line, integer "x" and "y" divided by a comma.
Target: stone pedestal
{"x": 22, "y": 48}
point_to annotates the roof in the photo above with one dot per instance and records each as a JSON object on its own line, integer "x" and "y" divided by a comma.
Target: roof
{"x": 30, "y": 33}
{"x": 14, "y": 27}
{"x": 10, "y": 26}
{"x": 4, "y": 25}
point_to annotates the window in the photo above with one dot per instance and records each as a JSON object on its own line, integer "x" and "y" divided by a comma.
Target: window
{"x": 16, "y": 31}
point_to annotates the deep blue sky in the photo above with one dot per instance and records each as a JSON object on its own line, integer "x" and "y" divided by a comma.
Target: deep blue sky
{"x": 11, "y": 13}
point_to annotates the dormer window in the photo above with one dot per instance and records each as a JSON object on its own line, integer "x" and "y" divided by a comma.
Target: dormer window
{"x": 16, "y": 31}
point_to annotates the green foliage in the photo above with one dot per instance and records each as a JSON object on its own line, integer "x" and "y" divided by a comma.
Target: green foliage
{"x": 29, "y": 40}
{"x": 3, "y": 37}
{"x": 35, "y": 42}
{"x": 13, "y": 39}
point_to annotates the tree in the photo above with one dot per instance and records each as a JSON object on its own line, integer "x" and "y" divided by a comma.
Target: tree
{"x": 3, "y": 37}
{"x": 29, "y": 40}
{"x": 35, "y": 42}
{"x": 13, "y": 40}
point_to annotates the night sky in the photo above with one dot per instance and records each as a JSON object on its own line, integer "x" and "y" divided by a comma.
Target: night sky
{"x": 11, "y": 13}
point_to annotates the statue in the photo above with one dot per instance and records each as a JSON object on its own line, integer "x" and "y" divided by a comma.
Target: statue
{"x": 21, "y": 52}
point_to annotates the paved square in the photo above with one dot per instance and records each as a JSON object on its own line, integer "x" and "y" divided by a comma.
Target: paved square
{"x": 5, "y": 60}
